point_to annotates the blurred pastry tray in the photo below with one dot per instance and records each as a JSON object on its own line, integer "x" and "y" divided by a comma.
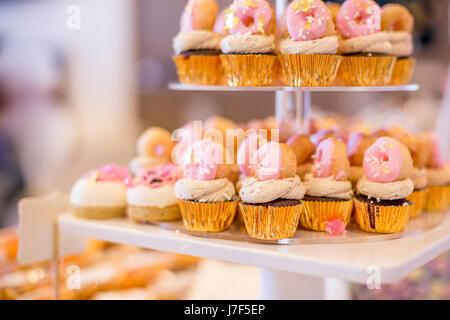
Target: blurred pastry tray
{"x": 186, "y": 87}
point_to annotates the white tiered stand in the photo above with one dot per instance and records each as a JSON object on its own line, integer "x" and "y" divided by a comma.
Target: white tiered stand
{"x": 301, "y": 271}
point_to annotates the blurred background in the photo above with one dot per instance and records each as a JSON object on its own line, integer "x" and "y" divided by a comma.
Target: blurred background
{"x": 74, "y": 96}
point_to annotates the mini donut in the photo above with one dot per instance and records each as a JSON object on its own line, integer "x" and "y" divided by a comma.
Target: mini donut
{"x": 206, "y": 160}
{"x": 416, "y": 149}
{"x": 357, "y": 145}
{"x": 358, "y": 18}
{"x": 321, "y": 135}
{"x": 247, "y": 149}
{"x": 387, "y": 160}
{"x": 304, "y": 169}
{"x": 334, "y": 8}
{"x": 275, "y": 161}
{"x": 361, "y": 127}
{"x": 356, "y": 174}
{"x": 308, "y": 20}
{"x": 302, "y": 147}
{"x": 431, "y": 146}
{"x": 199, "y": 15}
{"x": 156, "y": 142}
{"x": 219, "y": 123}
{"x": 249, "y": 16}
{"x": 395, "y": 17}
{"x": 330, "y": 159}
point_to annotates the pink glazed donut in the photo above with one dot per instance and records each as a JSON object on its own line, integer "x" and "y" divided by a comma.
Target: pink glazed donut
{"x": 387, "y": 160}
{"x": 249, "y": 16}
{"x": 359, "y": 18}
{"x": 247, "y": 149}
{"x": 307, "y": 20}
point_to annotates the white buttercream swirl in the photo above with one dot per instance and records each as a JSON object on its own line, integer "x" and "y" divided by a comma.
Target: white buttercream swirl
{"x": 385, "y": 191}
{"x": 326, "y": 45}
{"x": 255, "y": 191}
{"x": 374, "y": 43}
{"x": 86, "y": 193}
{"x": 401, "y": 42}
{"x": 196, "y": 40}
{"x": 247, "y": 43}
{"x": 328, "y": 187}
{"x": 205, "y": 191}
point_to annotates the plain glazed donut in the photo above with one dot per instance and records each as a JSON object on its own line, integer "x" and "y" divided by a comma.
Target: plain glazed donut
{"x": 199, "y": 15}
{"x": 303, "y": 148}
{"x": 308, "y": 20}
{"x": 395, "y": 17}
{"x": 249, "y": 16}
{"x": 274, "y": 161}
{"x": 358, "y": 18}
{"x": 330, "y": 159}
{"x": 416, "y": 148}
{"x": 387, "y": 160}
{"x": 206, "y": 160}
{"x": 156, "y": 142}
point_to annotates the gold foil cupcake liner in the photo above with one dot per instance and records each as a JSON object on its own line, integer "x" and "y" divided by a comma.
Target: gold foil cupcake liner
{"x": 381, "y": 219}
{"x": 403, "y": 71}
{"x": 366, "y": 71}
{"x": 418, "y": 199}
{"x": 271, "y": 223}
{"x": 309, "y": 70}
{"x": 149, "y": 214}
{"x": 437, "y": 198}
{"x": 207, "y": 217}
{"x": 316, "y": 213}
{"x": 99, "y": 213}
{"x": 246, "y": 70}
{"x": 198, "y": 70}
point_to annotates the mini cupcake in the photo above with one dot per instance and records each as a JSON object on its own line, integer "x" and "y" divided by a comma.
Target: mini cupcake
{"x": 151, "y": 195}
{"x": 381, "y": 206}
{"x": 101, "y": 194}
{"x": 329, "y": 195}
{"x": 271, "y": 198}
{"x": 248, "y": 51}
{"x": 303, "y": 149}
{"x": 308, "y": 57}
{"x": 419, "y": 173}
{"x": 398, "y": 23}
{"x": 197, "y": 46}
{"x": 206, "y": 197}
{"x": 438, "y": 175}
{"x": 368, "y": 59}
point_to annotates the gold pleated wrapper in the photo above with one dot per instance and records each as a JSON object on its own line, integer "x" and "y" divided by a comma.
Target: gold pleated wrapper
{"x": 309, "y": 70}
{"x": 437, "y": 198}
{"x": 207, "y": 217}
{"x": 99, "y": 213}
{"x": 247, "y": 70}
{"x": 149, "y": 214}
{"x": 271, "y": 223}
{"x": 316, "y": 213}
{"x": 366, "y": 71}
{"x": 199, "y": 70}
{"x": 418, "y": 198}
{"x": 403, "y": 71}
{"x": 381, "y": 219}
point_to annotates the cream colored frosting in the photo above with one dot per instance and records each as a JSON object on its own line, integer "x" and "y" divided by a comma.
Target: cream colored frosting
{"x": 374, "y": 43}
{"x": 402, "y": 43}
{"x": 152, "y": 197}
{"x": 196, "y": 40}
{"x": 385, "y": 191}
{"x": 326, "y": 45}
{"x": 247, "y": 43}
{"x": 328, "y": 187}
{"x": 438, "y": 177}
{"x": 419, "y": 178}
{"x": 143, "y": 162}
{"x": 205, "y": 191}
{"x": 86, "y": 193}
{"x": 255, "y": 191}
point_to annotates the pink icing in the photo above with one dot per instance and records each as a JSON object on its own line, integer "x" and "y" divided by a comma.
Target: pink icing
{"x": 219, "y": 26}
{"x": 157, "y": 177}
{"x": 247, "y": 149}
{"x": 248, "y": 16}
{"x": 205, "y": 156}
{"x": 358, "y": 18}
{"x": 335, "y": 227}
{"x": 323, "y": 159}
{"x": 383, "y": 160}
{"x": 189, "y": 15}
{"x": 437, "y": 157}
{"x": 320, "y": 135}
{"x": 307, "y": 21}
{"x": 268, "y": 161}
{"x": 354, "y": 141}
{"x": 110, "y": 172}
